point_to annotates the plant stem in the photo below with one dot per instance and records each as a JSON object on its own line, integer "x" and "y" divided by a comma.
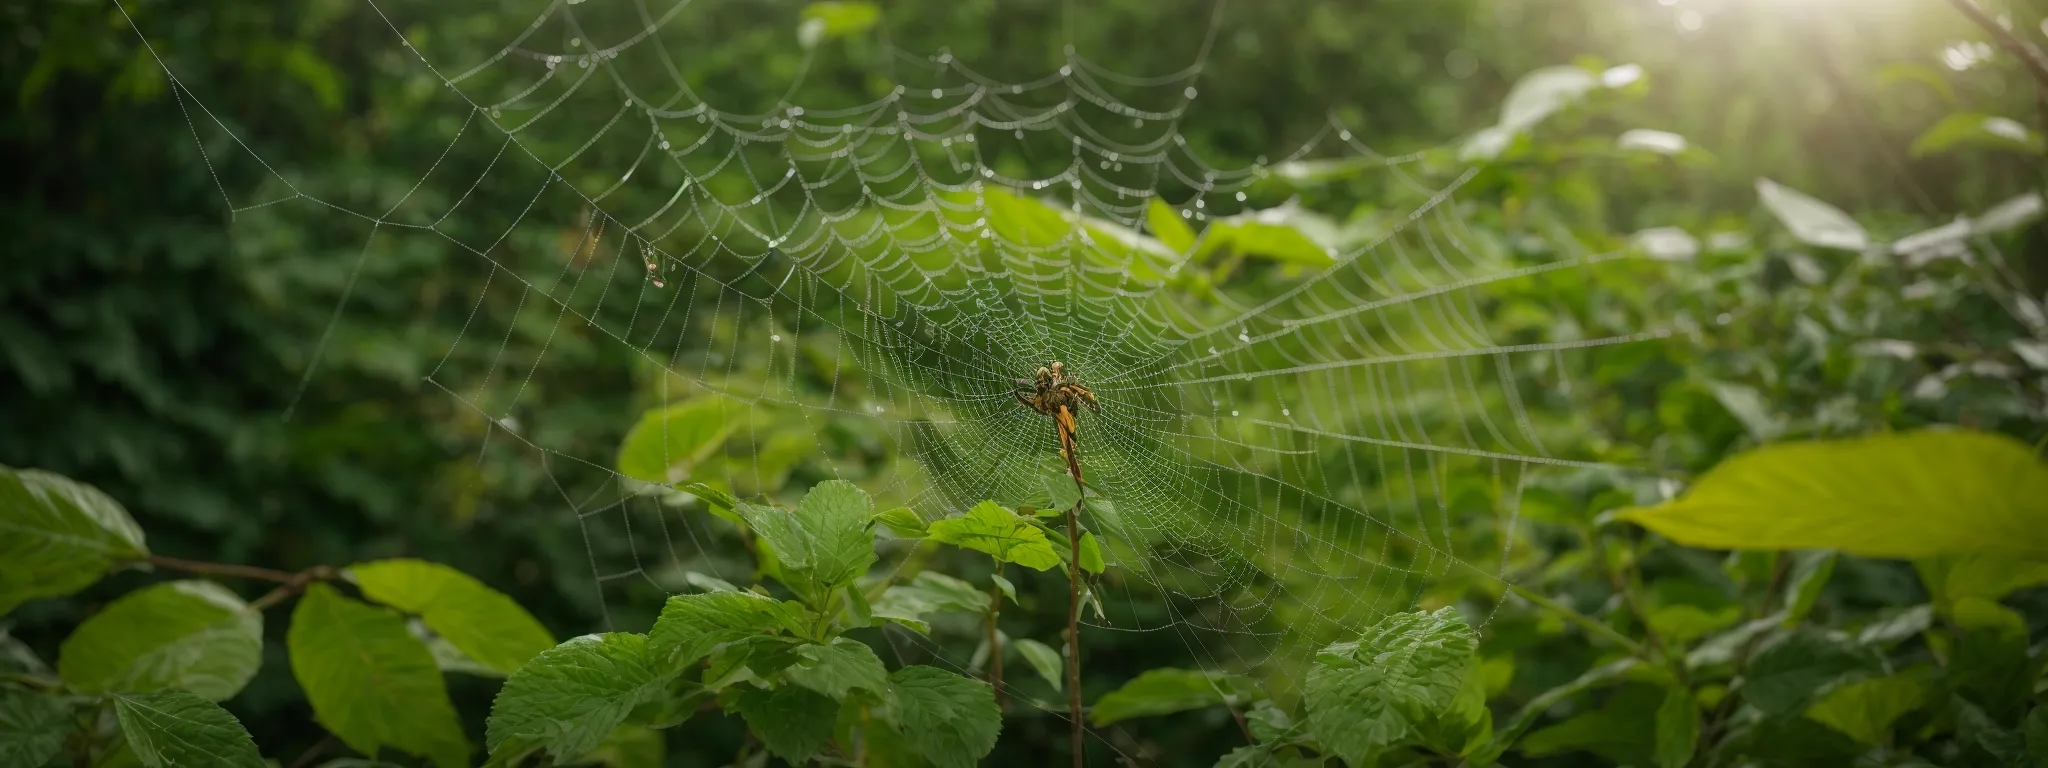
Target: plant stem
{"x": 293, "y": 586}
{"x": 1074, "y": 627}
{"x": 222, "y": 569}
{"x": 1582, "y": 620}
{"x": 995, "y": 648}
{"x": 2030, "y": 56}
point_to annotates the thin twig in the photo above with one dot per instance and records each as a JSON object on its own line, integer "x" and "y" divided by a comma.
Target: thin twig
{"x": 314, "y": 752}
{"x": 995, "y": 648}
{"x": 1074, "y": 627}
{"x": 293, "y": 586}
{"x": 222, "y": 569}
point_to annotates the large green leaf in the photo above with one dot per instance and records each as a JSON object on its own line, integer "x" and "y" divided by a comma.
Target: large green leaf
{"x": 192, "y": 635}
{"x": 690, "y": 626}
{"x": 571, "y": 696}
{"x": 482, "y": 622}
{"x": 58, "y": 536}
{"x": 1902, "y": 495}
{"x": 951, "y": 720}
{"x": 1366, "y": 695}
{"x": 33, "y": 726}
{"x": 176, "y": 729}
{"x": 1168, "y": 690}
{"x": 793, "y": 722}
{"x": 669, "y": 442}
{"x": 842, "y": 666}
{"x": 1865, "y": 710}
{"x": 371, "y": 683}
{"x": 991, "y": 529}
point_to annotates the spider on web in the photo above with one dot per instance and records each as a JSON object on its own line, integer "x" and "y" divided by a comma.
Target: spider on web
{"x": 1053, "y": 393}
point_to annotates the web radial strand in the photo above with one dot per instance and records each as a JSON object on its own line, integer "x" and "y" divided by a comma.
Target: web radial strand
{"x": 1308, "y": 418}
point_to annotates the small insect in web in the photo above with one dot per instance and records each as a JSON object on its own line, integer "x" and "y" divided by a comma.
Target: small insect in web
{"x": 1053, "y": 393}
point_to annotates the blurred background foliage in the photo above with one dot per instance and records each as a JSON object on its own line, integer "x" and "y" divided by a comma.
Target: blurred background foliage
{"x": 190, "y": 359}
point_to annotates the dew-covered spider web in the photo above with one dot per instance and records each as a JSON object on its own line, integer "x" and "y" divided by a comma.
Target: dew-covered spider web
{"x": 1309, "y": 418}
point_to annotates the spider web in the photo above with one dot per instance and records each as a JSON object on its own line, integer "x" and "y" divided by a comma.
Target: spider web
{"x": 1285, "y": 456}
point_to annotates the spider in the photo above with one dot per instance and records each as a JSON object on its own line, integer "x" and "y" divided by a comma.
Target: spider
{"x": 1052, "y": 393}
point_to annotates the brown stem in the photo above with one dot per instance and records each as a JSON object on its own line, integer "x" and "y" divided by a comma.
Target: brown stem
{"x": 2035, "y": 61}
{"x": 995, "y": 648}
{"x": 222, "y": 569}
{"x": 292, "y": 586}
{"x": 1074, "y": 628}
{"x": 314, "y": 752}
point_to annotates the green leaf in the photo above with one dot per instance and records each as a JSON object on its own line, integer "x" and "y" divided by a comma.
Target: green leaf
{"x": 902, "y": 521}
{"x": 1529, "y": 713}
{"x": 1865, "y": 710}
{"x": 1678, "y": 728}
{"x": 1623, "y": 730}
{"x": 2035, "y": 730}
{"x": 669, "y": 442}
{"x": 834, "y": 19}
{"x": 176, "y": 729}
{"x": 1988, "y": 577}
{"x": 951, "y": 720}
{"x": 793, "y": 722}
{"x": 834, "y": 669}
{"x": 58, "y": 536}
{"x": 690, "y": 626}
{"x": 1811, "y": 221}
{"x": 1003, "y": 585}
{"x": 1789, "y": 674}
{"x": 1990, "y": 661}
{"x": 1289, "y": 234}
{"x": 371, "y": 683}
{"x": 1970, "y": 129}
{"x": 193, "y": 635}
{"x": 1366, "y": 695}
{"x": 33, "y": 726}
{"x": 1466, "y": 724}
{"x": 1168, "y": 227}
{"x": 1167, "y": 690}
{"x": 1810, "y": 572}
{"x": 1918, "y": 494}
{"x": 482, "y": 622}
{"x": 1048, "y": 663}
{"x": 1091, "y": 554}
{"x": 629, "y": 746}
{"x": 993, "y": 530}
{"x": 571, "y": 696}
{"x": 835, "y": 516}
{"x": 711, "y": 496}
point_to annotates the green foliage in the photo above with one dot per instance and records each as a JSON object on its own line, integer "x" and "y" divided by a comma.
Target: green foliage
{"x": 1915, "y": 495}
{"x": 1166, "y": 691}
{"x": 191, "y": 635}
{"x": 1370, "y": 694}
{"x": 950, "y": 720}
{"x": 32, "y": 726}
{"x": 481, "y": 622}
{"x": 1966, "y": 129}
{"x": 61, "y": 536}
{"x": 1051, "y": 666}
{"x": 173, "y": 729}
{"x": 668, "y": 443}
{"x": 371, "y": 683}
{"x": 993, "y": 530}
{"x": 569, "y": 698}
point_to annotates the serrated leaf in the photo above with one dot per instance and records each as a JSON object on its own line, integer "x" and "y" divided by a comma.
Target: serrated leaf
{"x": 1091, "y": 554}
{"x": 1790, "y": 673}
{"x": 1364, "y": 696}
{"x": 58, "y": 536}
{"x": 1865, "y": 710}
{"x": 668, "y": 442}
{"x": 1678, "y": 728}
{"x": 1811, "y": 221}
{"x": 793, "y": 722}
{"x": 834, "y": 669}
{"x": 1918, "y": 494}
{"x": 931, "y": 592}
{"x": 1168, "y": 690}
{"x": 690, "y": 626}
{"x": 370, "y": 682}
{"x": 999, "y": 533}
{"x": 33, "y": 726}
{"x": 1167, "y": 227}
{"x": 177, "y": 729}
{"x": 483, "y": 623}
{"x": 193, "y": 635}
{"x": 571, "y": 696}
{"x": 835, "y": 515}
{"x": 951, "y": 720}
{"x": 902, "y": 521}
{"x": 1048, "y": 663}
